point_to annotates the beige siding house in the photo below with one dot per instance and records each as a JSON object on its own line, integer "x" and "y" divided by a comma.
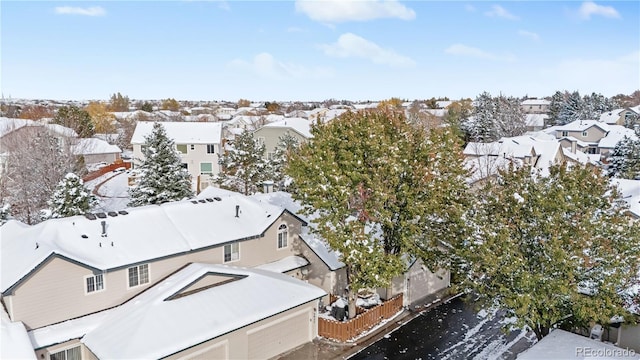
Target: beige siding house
{"x": 198, "y": 144}
{"x": 270, "y": 134}
{"x": 535, "y": 106}
{"x": 589, "y": 132}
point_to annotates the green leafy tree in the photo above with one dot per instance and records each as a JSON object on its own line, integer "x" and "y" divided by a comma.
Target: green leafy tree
{"x": 380, "y": 188}
{"x": 163, "y": 178}
{"x": 77, "y": 119}
{"x": 555, "y": 250}
{"x": 146, "y": 106}
{"x": 70, "y": 198}
{"x": 243, "y": 167}
{"x": 119, "y": 103}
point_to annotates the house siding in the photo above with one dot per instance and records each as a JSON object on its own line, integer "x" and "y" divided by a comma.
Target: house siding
{"x": 237, "y": 342}
{"x": 594, "y": 134}
{"x": 629, "y": 337}
{"x": 56, "y": 292}
{"x": 45, "y": 353}
{"x": 271, "y": 137}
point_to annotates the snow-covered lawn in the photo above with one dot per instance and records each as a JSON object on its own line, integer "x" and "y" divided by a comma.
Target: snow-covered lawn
{"x": 112, "y": 191}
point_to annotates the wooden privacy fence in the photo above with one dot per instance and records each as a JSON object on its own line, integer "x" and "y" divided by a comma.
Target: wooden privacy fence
{"x": 365, "y": 320}
{"x": 103, "y": 170}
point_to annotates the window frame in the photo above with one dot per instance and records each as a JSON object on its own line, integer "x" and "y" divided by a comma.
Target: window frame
{"x": 231, "y": 252}
{"x": 137, "y": 275}
{"x": 192, "y": 147}
{"x": 50, "y": 354}
{"x": 211, "y": 149}
{"x": 565, "y": 133}
{"x": 186, "y": 148}
{"x": 95, "y": 283}
{"x": 585, "y": 133}
{"x": 206, "y": 173}
{"x": 283, "y": 237}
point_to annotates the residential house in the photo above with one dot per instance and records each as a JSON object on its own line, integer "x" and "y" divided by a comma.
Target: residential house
{"x": 587, "y": 131}
{"x": 270, "y": 134}
{"x": 563, "y": 345}
{"x": 198, "y": 143}
{"x": 535, "y": 122}
{"x": 614, "y": 136}
{"x": 89, "y": 265}
{"x": 535, "y": 106}
{"x": 95, "y": 150}
{"x": 613, "y": 117}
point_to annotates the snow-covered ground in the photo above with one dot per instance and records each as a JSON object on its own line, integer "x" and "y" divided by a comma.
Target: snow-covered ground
{"x": 112, "y": 191}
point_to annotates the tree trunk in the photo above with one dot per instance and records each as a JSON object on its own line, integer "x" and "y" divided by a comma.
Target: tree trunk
{"x": 541, "y": 331}
{"x": 352, "y": 304}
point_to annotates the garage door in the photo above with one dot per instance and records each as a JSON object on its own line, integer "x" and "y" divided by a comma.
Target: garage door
{"x": 217, "y": 351}
{"x": 280, "y": 335}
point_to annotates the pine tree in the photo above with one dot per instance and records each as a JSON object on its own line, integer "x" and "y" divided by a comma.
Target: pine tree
{"x": 553, "y": 251}
{"x": 162, "y": 178}
{"x": 571, "y": 110}
{"x": 287, "y": 144}
{"x": 77, "y": 119}
{"x": 243, "y": 167}
{"x": 483, "y": 128}
{"x": 625, "y": 159}
{"x": 510, "y": 119}
{"x": 70, "y": 198}
{"x": 381, "y": 189}
{"x": 555, "y": 108}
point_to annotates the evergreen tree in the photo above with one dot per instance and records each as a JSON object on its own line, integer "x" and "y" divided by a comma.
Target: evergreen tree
{"x": 625, "y": 159}
{"x": 243, "y": 167}
{"x": 555, "y": 108}
{"x": 70, "y": 198}
{"x": 287, "y": 144}
{"x": 483, "y": 127}
{"x": 510, "y": 118}
{"x": 162, "y": 178}
{"x": 379, "y": 189}
{"x": 147, "y": 106}
{"x": 77, "y": 119}
{"x": 571, "y": 110}
{"x": 553, "y": 251}
{"x": 5, "y": 213}
{"x": 119, "y": 103}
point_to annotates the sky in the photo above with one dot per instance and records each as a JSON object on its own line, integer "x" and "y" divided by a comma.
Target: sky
{"x": 309, "y": 50}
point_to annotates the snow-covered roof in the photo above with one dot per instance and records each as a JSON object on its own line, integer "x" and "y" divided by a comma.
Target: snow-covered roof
{"x": 486, "y": 166}
{"x": 611, "y": 117}
{"x": 547, "y": 150}
{"x": 614, "y": 136}
{"x": 92, "y": 146}
{"x": 66, "y": 330}
{"x": 8, "y": 125}
{"x": 443, "y": 104}
{"x": 535, "y": 120}
{"x": 144, "y": 234}
{"x": 630, "y": 190}
{"x": 578, "y": 156}
{"x": 578, "y": 142}
{"x": 181, "y": 132}
{"x": 582, "y": 125}
{"x": 154, "y": 324}
{"x": 436, "y": 112}
{"x": 317, "y": 245}
{"x": 300, "y": 125}
{"x": 14, "y": 340}
{"x": 285, "y": 264}
{"x": 536, "y": 102}
{"x": 560, "y": 345}
{"x": 497, "y": 148}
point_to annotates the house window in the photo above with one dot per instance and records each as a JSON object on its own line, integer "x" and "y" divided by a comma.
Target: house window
{"x": 282, "y": 236}
{"x": 182, "y": 148}
{"x": 94, "y": 283}
{"x": 185, "y": 166}
{"x": 584, "y": 134}
{"x": 210, "y": 149}
{"x": 271, "y": 155}
{"x": 69, "y": 354}
{"x": 193, "y": 147}
{"x": 565, "y": 133}
{"x": 138, "y": 275}
{"x": 206, "y": 168}
{"x": 260, "y": 140}
{"x": 592, "y": 150}
{"x": 231, "y": 252}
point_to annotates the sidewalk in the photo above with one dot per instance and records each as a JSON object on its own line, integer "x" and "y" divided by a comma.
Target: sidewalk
{"x": 324, "y": 349}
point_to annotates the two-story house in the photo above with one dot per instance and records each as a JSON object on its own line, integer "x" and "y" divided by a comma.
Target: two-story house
{"x": 535, "y": 106}
{"x": 270, "y": 134}
{"x": 77, "y": 282}
{"x": 198, "y": 143}
{"x": 587, "y": 132}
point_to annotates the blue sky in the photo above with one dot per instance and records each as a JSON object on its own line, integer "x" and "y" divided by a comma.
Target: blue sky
{"x": 316, "y": 50}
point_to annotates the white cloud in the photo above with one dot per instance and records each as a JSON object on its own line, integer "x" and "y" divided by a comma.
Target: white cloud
{"x": 589, "y": 8}
{"x": 528, "y": 34}
{"x": 609, "y": 76}
{"x": 72, "y": 10}
{"x": 266, "y": 66}
{"x": 499, "y": 11}
{"x": 351, "y": 45}
{"x": 469, "y": 51}
{"x": 224, "y": 5}
{"x": 336, "y": 11}
{"x": 469, "y": 8}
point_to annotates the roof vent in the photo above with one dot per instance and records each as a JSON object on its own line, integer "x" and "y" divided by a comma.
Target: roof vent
{"x": 217, "y": 198}
{"x": 237, "y": 210}
{"x": 104, "y": 228}
{"x": 84, "y": 236}
{"x": 209, "y": 199}
{"x": 194, "y": 201}
{"x": 202, "y": 201}
{"x": 90, "y": 216}
{"x": 101, "y": 215}
{"x": 123, "y": 212}
{"x": 112, "y": 213}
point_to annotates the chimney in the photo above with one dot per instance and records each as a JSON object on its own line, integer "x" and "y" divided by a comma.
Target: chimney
{"x": 237, "y": 210}
{"x": 104, "y": 228}
{"x": 267, "y": 187}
